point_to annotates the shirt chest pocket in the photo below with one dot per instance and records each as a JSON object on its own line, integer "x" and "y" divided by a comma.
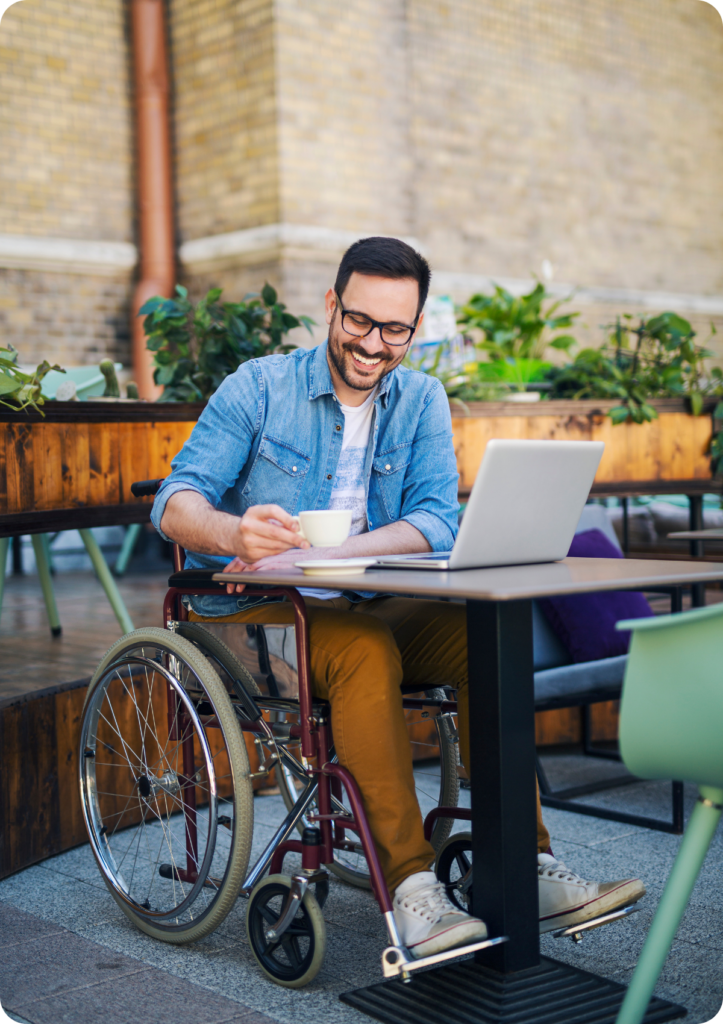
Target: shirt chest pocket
{"x": 277, "y": 475}
{"x": 389, "y": 470}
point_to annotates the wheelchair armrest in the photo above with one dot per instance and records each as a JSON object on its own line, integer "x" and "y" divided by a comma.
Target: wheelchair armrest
{"x": 202, "y": 578}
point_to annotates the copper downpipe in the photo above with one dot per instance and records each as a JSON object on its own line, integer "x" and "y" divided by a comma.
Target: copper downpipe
{"x": 154, "y": 175}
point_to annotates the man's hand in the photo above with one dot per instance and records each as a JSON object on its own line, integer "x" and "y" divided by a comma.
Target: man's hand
{"x": 286, "y": 560}
{"x": 265, "y": 530}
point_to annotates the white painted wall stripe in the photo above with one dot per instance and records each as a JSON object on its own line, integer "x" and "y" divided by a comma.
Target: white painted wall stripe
{"x": 66, "y": 255}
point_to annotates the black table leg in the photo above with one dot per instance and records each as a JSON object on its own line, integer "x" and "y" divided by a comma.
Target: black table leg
{"x": 502, "y": 731}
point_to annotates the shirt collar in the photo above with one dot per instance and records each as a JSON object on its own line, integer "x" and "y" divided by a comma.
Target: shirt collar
{"x": 320, "y": 382}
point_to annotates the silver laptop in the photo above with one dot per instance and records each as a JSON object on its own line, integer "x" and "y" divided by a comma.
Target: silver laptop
{"x": 524, "y": 506}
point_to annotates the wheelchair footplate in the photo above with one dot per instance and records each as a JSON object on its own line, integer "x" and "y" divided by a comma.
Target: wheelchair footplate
{"x": 576, "y": 932}
{"x": 397, "y": 960}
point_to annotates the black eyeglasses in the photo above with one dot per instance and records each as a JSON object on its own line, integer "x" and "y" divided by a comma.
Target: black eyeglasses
{"x": 359, "y": 325}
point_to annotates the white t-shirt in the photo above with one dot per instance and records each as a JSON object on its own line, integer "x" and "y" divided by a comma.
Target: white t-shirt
{"x": 347, "y": 490}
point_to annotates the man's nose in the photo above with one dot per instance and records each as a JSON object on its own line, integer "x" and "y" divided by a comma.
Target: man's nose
{"x": 373, "y": 343}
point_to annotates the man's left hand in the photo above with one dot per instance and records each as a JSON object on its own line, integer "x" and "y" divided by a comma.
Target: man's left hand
{"x": 286, "y": 560}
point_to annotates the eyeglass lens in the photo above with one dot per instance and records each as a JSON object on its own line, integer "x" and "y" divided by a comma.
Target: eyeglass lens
{"x": 360, "y": 325}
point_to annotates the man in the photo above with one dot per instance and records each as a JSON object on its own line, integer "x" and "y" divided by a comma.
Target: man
{"x": 344, "y": 425}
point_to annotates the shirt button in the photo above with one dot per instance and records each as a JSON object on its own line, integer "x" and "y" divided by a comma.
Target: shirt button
{"x": 293, "y": 469}
{"x": 338, "y": 427}
{"x": 387, "y": 466}
{"x": 328, "y": 476}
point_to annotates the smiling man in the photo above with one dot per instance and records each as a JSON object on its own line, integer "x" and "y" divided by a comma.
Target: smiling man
{"x": 345, "y": 425}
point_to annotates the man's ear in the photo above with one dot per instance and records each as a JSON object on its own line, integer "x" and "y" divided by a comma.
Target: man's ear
{"x": 329, "y": 304}
{"x": 416, "y": 329}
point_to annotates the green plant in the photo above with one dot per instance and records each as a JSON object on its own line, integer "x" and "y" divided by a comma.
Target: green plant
{"x": 196, "y": 347}
{"x": 461, "y": 386}
{"x": 656, "y": 359}
{"x": 19, "y": 390}
{"x": 517, "y": 326}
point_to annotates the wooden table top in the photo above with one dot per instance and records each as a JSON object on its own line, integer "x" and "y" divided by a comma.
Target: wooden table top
{"x": 503, "y": 583}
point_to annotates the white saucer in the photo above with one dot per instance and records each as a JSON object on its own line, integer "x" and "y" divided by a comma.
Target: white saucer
{"x": 335, "y": 566}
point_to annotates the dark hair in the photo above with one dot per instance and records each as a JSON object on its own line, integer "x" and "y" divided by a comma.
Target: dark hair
{"x": 384, "y": 257}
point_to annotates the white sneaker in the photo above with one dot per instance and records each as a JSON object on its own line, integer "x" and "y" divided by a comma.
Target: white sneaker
{"x": 567, "y": 899}
{"x": 427, "y": 921}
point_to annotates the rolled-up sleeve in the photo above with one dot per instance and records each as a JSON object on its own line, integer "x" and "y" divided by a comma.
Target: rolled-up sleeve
{"x": 429, "y": 499}
{"x": 216, "y": 452}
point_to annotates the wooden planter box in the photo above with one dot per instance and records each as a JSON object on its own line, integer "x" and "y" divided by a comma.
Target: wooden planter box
{"x": 668, "y": 455}
{"x": 74, "y": 466}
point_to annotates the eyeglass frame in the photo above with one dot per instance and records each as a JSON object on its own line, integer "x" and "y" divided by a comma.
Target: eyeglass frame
{"x": 378, "y": 324}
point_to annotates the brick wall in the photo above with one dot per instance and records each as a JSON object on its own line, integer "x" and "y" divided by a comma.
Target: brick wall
{"x": 343, "y": 114}
{"x": 499, "y": 134}
{"x": 65, "y": 121}
{"x": 65, "y": 172}
{"x": 587, "y": 132}
{"x": 70, "y": 319}
{"x": 225, "y": 115}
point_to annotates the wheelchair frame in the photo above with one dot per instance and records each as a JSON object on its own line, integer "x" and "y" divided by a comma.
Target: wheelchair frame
{"x": 323, "y": 782}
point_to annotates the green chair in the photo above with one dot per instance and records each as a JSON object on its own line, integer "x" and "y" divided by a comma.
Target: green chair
{"x": 41, "y": 547}
{"x": 671, "y": 726}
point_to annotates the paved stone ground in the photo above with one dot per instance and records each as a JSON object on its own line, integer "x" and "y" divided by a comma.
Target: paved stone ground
{"x": 69, "y": 954}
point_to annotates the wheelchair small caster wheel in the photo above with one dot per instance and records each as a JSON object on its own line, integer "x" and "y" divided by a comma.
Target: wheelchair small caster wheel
{"x": 294, "y": 958}
{"x": 453, "y": 868}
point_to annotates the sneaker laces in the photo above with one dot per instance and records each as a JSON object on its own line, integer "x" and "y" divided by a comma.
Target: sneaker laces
{"x": 429, "y": 901}
{"x": 556, "y": 869}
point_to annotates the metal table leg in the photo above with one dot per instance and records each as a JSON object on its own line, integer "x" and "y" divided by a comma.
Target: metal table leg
{"x": 502, "y": 725}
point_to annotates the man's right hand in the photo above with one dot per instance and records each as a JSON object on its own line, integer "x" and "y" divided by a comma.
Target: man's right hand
{"x": 265, "y": 530}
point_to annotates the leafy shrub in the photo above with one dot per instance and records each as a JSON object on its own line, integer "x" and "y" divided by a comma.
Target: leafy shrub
{"x": 656, "y": 359}
{"x": 196, "y": 347}
{"x": 19, "y": 390}
{"x": 517, "y": 327}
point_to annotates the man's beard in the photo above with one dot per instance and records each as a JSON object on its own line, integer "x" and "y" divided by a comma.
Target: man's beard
{"x": 336, "y": 349}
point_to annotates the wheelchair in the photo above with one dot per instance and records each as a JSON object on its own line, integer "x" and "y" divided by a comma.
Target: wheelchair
{"x": 167, "y": 787}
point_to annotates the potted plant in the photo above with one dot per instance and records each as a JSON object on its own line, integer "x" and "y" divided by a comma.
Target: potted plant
{"x": 196, "y": 347}
{"x": 514, "y": 331}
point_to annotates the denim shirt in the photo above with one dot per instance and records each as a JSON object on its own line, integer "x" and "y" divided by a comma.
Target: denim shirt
{"x": 272, "y": 433}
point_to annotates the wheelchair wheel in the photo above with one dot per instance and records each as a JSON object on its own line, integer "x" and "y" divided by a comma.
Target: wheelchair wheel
{"x": 165, "y": 791}
{"x": 437, "y": 785}
{"x": 296, "y": 957}
{"x": 453, "y": 868}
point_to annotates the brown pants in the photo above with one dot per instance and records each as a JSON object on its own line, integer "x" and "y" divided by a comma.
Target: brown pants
{"x": 360, "y": 655}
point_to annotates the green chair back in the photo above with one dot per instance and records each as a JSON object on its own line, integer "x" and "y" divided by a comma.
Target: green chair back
{"x": 671, "y": 716}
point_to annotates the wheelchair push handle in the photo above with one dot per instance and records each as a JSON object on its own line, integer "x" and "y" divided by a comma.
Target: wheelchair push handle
{"x": 146, "y": 488}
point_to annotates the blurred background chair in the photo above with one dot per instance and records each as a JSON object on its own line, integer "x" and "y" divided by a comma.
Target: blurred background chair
{"x": 671, "y": 723}
{"x": 562, "y": 683}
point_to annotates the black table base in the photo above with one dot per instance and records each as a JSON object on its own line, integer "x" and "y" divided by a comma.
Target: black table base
{"x": 468, "y": 993}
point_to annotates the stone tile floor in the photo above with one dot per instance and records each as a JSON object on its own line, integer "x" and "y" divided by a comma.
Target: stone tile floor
{"x": 217, "y": 978}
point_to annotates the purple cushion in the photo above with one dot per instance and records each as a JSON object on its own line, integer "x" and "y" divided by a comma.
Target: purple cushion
{"x": 586, "y": 622}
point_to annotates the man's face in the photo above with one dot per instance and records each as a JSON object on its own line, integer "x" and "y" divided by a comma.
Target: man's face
{"x": 361, "y": 363}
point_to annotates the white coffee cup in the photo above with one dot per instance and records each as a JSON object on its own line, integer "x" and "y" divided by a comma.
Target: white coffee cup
{"x": 324, "y": 528}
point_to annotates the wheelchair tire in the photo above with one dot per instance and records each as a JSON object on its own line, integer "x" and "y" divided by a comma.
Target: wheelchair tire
{"x": 296, "y": 959}
{"x": 217, "y": 651}
{"x": 432, "y": 790}
{"x": 135, "y": 773}
{"x": 453, "y": 868}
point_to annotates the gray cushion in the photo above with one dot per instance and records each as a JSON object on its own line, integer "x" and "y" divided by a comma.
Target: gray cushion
{"x": 579, "y": 679}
